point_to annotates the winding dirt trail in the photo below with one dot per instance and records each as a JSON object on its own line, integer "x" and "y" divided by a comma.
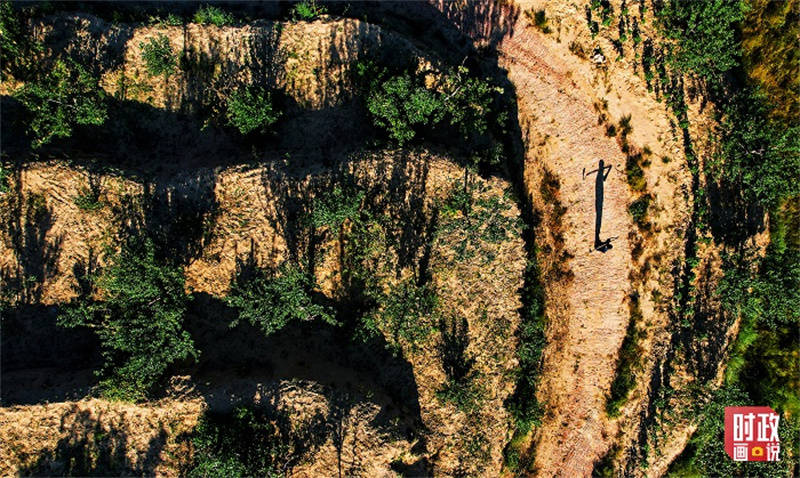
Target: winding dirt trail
{"x": 579, "y": 364}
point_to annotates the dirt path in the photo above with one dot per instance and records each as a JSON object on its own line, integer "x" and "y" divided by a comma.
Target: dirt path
{"x": 579, "y": 364}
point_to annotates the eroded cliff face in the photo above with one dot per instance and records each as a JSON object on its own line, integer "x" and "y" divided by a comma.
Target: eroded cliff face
{"x": 219, "y": 206}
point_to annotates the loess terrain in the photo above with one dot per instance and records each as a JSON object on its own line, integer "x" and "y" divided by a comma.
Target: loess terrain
{"x": 478, "y": 238}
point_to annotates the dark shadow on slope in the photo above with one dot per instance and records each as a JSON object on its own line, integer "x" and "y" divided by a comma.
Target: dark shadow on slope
{"x": 99, "y": 48}
{"x": 732, "y": 219}
{"x": 26, "y": 224}
{"x": 90, "y": 449}
{"x": 42, "y": 362}
{"x": 397, "y": 187}
{"x": 309, "y": 351}
{"x": 177, "y": 213}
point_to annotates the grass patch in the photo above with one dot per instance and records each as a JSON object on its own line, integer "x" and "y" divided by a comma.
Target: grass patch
{"x": 88, "y": 199}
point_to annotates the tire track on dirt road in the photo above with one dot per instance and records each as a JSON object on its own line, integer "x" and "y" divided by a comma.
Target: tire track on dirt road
{"x": 579, "y": 365}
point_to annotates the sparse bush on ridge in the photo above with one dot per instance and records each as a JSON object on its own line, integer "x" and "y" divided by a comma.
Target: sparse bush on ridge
{"x": 539, "y": 19}
{"x": 88, "y": 199}
{"x": 211, "y": 15}
{"x": 407, "y": 313}
{"x": 308, "y": 10}
{"x": 638, "y": 210}
{"x": 628, "y": 360}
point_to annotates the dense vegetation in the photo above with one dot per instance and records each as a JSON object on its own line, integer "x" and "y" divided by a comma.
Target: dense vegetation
{"x": 137, "y": 312}
{"x": 59, "y": 100}
{"x": 454, "y": 104}
{"x": 211, "y": 15}
{"x": 759, "y": 157}
{"x": 270, "y": 300}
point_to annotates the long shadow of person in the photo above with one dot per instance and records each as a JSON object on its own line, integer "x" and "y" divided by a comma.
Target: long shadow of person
{"x": 602, "y": 173}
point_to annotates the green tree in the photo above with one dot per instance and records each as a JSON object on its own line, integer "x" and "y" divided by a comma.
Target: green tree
{"x": 158, "y": 56}
{"x": 250, "y": 109}
{"x": 271, "y": 299}
{"x": 704, "y": 32}
{"x": 138, "y": 318}
{"x": 15, "y": 45}
{"x": 467, "y": 102}
{"x": 64, "y": 97}
{"x": 400, "y": 105}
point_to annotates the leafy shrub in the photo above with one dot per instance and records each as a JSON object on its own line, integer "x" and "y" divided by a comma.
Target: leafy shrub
{"x": 335, "y": 206}
{"x": 88, "y": 199}
{"x": 705, "y": 34}
{"x": 406, "y": 106}
{"x": 467, "y": 103}
{"x": 308, "y": 10}
{"x": 400, "y": 105}
{"x": 638, "y": 210}
{"x": 208, "y": 14}
{"x": 270, "y": 300}
{"x": 158, "y": 56}
{"x": 15, "y": 45}
{"x": 64, "y": 97}
{"x": 251, "y": 441}
{"x": 5, "y": 173}
{"x": 138, "y": 318}
{"x": 174, "y": 20}
{"x": 250, "y": 109}
{"x": 634, "y": 173}
{"x": 539, "y": 18}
